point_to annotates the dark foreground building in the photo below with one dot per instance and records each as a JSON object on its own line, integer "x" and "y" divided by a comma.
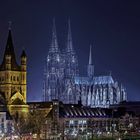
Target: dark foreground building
{"x": 75, "y": 121}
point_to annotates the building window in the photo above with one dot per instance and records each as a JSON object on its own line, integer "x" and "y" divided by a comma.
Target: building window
{"x": 14, "y": 78}
{"x": 76, "y": 122}
{"x": 80, "y": 122}
{"x": 71, "y": 122}
{"x": 84, "y": 122}
{"x": 3, "y": 78}
{"x": 17, "y": 78}
{"x": 7, "y": 76}
{"x": 67, "y": 123}
{"x": 2, "y": 120}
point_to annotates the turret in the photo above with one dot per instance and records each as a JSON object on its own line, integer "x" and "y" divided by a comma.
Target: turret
{"x": 90, "y": 69}
{"x": 23, "y": 61}
{"x": 8, "y": 62}
{"x": 23, "y": 74}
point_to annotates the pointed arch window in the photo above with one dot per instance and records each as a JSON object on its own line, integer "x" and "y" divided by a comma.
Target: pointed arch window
{"x": 14, "y": 78}
{"x": 58, "y": 58}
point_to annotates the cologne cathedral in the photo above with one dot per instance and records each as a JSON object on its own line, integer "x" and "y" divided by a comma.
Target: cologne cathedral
{"x": 63, "y": 82}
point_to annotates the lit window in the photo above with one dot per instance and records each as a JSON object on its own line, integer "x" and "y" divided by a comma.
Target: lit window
{"x": 48, "y": 59}
{"x": 73, "y": 60}
{"x": 80, "y": 122}
{"x": 71, "y": 122}
{"x": 84, "y": 121}
{"x": 58, "y": 58}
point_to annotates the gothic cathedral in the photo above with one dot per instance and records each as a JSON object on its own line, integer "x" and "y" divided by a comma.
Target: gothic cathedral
{"x": 63, "y": 82}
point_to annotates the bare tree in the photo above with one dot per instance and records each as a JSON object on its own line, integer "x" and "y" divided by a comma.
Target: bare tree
{"x": 32, "y": 123}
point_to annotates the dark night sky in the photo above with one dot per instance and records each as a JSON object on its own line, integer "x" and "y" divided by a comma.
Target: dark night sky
{"x": 113, "y": 25}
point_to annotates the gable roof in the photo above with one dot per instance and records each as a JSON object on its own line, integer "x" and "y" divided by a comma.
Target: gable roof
{"x": 18, "y": 101}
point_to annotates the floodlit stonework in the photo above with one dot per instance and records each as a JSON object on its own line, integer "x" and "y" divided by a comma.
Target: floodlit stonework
{"x": 63, "y": 82}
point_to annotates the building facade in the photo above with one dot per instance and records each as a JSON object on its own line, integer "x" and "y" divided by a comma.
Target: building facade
{"x": 12, "y": 75}
{"x": 75, "y": 121}
{"x": 63, "y": 82}
{"x": 13, "y": 85}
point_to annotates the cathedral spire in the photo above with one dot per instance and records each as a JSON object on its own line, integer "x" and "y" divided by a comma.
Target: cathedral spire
{"x": 69, "y": 39}
{"x": 90, "y": 55}
{"x": 9, "y": 51}
{"x": 54, "y": 44}
{"x": 9, "y": 46}
{"x": 90, "y": 69}
{"x": 71, "y": 62}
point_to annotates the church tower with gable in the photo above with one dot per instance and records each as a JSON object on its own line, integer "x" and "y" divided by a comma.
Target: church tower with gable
{"x": 13, "y": 76}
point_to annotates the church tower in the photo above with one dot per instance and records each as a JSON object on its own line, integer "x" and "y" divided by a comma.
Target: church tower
{"x": 12, "y": 75}
{"x": 71, "y": 64}
{"x": 54, "y": 71}
{"x": 71, "y": 69}
{"x": 60, "y": 71}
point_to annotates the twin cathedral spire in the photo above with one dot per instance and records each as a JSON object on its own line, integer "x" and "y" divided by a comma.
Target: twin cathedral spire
{"x": 62, "y": 68}
{"x": 63, "y": 82}
{"x": 54, "y": 43}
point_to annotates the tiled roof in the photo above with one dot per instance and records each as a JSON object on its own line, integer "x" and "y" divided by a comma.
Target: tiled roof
{"x": 96, "y": 80}
{"x": 71, "y": 111}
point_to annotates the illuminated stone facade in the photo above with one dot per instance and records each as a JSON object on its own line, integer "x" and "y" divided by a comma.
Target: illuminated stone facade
{"x": 62, "y": 80}
{"x": 13, "y": 78}
{"x": 60, "y": 72}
